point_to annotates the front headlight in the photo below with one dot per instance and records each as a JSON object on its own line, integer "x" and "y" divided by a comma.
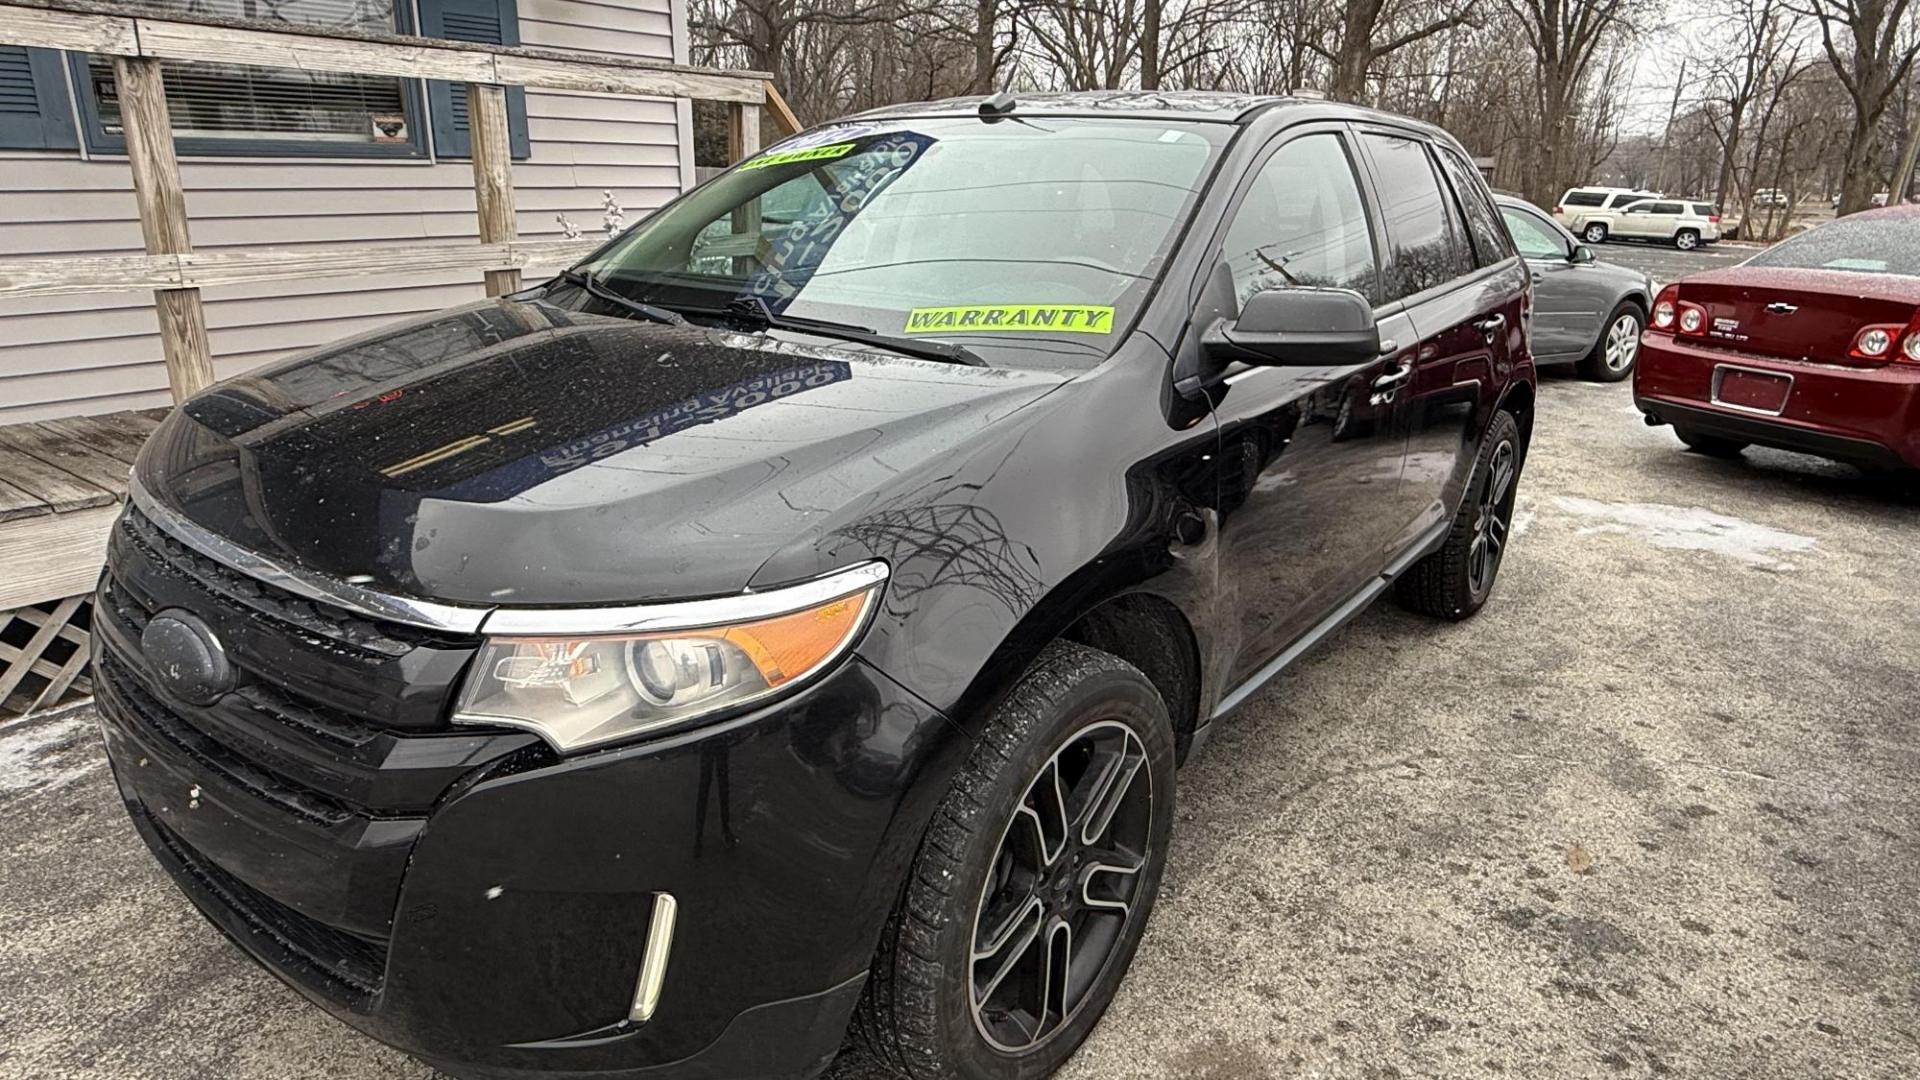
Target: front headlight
{"x": 581, "y": 689}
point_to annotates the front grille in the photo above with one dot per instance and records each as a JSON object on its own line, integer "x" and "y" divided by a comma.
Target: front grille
{"x": 348, "y": 966}
{"x": 158, "y": 720}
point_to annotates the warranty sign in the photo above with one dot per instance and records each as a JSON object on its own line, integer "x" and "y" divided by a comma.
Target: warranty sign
{"x": 1030, "y": 318}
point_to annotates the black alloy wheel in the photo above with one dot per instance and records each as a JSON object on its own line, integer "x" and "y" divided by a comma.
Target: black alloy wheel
{"x": 1065, "y": 883}
{"x": 1494, "y": 519}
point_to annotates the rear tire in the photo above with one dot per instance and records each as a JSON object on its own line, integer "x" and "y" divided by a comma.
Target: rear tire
{"x": 1089, "y": 725}
{"x": 1594, "y": 233}
{"x": 1686, "y": 239}
{"x": 1455, "y": 581}
{"x": 1614, "y": 354}
{"x": 1710, "y": 445}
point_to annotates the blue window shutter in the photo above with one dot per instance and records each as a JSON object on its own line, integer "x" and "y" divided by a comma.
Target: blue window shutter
{"x": 495, "y": 22}
{"x": 34, "y": 111}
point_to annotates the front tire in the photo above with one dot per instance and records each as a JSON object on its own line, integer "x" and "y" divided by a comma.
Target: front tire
{"x": 1614, "y": 354}
{"x": 1454, "y": 582}
{"x": 1594, "y": 233}
{"x": 1034, "y": 883}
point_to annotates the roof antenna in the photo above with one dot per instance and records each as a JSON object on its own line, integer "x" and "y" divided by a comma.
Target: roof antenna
{"x": 998, "y": 107}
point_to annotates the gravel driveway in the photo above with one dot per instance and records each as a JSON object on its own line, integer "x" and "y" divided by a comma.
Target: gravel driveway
{"x": 1652, "y": 813}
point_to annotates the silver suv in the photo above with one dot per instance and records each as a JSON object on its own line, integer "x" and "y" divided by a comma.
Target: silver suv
{"x": 1684, "y": 223}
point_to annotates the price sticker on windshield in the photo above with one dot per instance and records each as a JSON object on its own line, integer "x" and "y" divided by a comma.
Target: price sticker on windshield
{"x": 788, "y": 157}
{"x": 1051, "y": 318}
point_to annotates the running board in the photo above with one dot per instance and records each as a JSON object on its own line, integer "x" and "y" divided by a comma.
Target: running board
{"x": 1431, "y": 541}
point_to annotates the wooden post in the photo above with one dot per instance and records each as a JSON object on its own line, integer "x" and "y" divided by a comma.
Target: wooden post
{"x": 493, "y": 176}
{"x": 163, "y": 218}
{"x": 743, "y": 131}
{"x": 743, "y": 141}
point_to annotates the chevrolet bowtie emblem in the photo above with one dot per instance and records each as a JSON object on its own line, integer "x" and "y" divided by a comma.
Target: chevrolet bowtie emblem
{"x": 1781, "y": 307}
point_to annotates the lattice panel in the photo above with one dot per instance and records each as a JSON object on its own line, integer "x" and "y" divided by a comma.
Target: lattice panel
{"x": 43, "y": 655}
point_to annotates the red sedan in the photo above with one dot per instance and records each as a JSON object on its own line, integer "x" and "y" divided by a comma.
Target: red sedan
{"x": 1812, "y": 345}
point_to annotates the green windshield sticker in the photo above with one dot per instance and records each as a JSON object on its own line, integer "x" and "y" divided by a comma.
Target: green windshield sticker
{"x": 788, "y": 157}
{"x": 1054, "y": 318}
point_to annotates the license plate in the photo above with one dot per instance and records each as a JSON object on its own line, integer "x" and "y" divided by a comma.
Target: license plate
{"x": 1760, "y": 391}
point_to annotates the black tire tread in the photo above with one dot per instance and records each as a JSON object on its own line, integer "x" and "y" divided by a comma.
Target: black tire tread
{"x": 1710, "y": 445}
{"x": 906, "y": 971}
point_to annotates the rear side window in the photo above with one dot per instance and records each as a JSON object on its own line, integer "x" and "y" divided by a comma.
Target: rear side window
{"x": 1703, "y": 209}
{"x": 1303, "y": 223}
{"x": 1583, "y": 198}
{"x": 1490, "y": 242}
{"x": 1426, "y": 244}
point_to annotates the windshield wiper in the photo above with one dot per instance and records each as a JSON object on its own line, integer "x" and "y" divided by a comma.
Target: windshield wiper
{"x": 592, "y": 286}
{"x": 755, "y": 310}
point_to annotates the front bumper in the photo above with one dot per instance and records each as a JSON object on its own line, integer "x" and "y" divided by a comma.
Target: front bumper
{"x": 1868, "y": 416}
{"x": 516, "y": 941}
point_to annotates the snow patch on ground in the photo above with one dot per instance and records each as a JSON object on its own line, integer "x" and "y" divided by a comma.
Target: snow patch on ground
{"x": 30, "y": 755}
{"x": 1690, "y": 528}
{"x": 1523, "y": 518}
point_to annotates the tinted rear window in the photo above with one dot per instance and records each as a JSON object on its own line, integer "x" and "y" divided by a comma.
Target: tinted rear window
{"x": 1703, "y": 209}
{"x": 1875, "y": 245}
{"x": 1429, "y": 248}
{"x": 1583, "y": 198}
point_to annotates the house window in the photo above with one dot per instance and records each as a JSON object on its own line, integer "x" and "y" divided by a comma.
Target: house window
{"x": 242, "y": 110}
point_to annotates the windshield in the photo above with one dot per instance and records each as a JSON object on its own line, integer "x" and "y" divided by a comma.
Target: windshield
{"x": 1027, "y": 240}
{"x": 1872, "y": 245}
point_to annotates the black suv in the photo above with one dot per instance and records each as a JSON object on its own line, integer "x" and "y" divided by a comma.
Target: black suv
{"x": 791, "y": 616}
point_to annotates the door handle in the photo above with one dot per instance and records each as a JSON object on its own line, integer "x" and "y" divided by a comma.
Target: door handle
{"x": 1490, "y": 326}
{"x": 1386, "y": 386}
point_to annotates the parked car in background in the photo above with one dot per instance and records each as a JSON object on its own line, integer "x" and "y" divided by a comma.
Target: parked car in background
{"x": 1585, "y": 312}
{"x": 1583, "y": 204}
{"x": 1770, "y": 198}
{"x": 1811, "y": 345}
{"x": 793, "y": 614}
{"x": 1684, "y": 223}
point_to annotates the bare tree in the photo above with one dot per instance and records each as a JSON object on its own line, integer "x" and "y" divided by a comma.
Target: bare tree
{"x": 1355, "y": 48}
{"x": 1757, "y": 33}
{"x": 1566, "y": 36}
{"x": 1871, "y": 45}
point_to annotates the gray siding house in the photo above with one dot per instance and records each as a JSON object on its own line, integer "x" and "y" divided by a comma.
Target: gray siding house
{"x": 281, "y": 158}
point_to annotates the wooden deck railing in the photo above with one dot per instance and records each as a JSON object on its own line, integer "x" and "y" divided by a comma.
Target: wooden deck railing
{"x": 138, "y": 41}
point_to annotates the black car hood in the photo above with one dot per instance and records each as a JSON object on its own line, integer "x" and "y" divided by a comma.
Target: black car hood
{"x": 518, "y": 453}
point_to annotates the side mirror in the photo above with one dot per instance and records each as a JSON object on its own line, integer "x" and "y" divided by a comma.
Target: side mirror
{"x": 1299, "y": 327}
{"x": 1581, "y": 253}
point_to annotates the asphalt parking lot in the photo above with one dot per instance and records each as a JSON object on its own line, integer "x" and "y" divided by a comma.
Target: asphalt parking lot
{"x": 1665, "y": 264}
{"x": 1650, "y": 814}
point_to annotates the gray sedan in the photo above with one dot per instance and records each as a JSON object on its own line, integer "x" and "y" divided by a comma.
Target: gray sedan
{"x": 1584, "y": 312}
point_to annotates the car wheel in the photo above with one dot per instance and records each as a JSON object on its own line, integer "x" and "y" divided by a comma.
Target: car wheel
{"x": 1710, "y": 445}
{"x": 1455, "y": 581}
{"x": 1594, "y": 233}
{"x": 1686, "y": 239}
{"x": 1034, "y": 883}
{"x": 1613, "y": 356}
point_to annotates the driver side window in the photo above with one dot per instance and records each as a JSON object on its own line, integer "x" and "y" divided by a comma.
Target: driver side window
{"x": 1303, "y": 223}
{"x": 1532, "y": 236}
